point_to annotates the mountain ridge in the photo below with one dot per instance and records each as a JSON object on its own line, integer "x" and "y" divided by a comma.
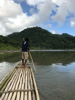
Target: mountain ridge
{"x": 40, "y": 39}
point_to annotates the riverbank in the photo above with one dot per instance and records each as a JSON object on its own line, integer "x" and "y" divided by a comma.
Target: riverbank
{"x": 8, "y": 51}
{"x": 57, "y": 50}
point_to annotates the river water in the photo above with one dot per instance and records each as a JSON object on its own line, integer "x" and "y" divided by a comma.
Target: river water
{"x": 55, "y": 76}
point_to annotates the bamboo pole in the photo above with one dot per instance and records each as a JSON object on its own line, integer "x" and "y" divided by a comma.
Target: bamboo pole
{"x": 14, "y": 95}
{"x": 32, "y": 61}
{"x": 35, "y": 86}
{"x": 26, "y": 86}
{"x": 19, "y": 87}
{"x": 11, "y": 91}
{"x": 24, "y": 81}
{"x": 11, "y": 85}
{"x": 14, "y": 85}
{"x": 33, "y": 94}
{"x": 29, "y": 93}
{"x": 22, "y": 93}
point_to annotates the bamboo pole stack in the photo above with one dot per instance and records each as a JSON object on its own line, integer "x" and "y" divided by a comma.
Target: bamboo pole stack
{"x": 21, "y": 86}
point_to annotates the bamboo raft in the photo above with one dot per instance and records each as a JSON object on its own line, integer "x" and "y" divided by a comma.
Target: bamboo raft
{"x": 19, "y": 84}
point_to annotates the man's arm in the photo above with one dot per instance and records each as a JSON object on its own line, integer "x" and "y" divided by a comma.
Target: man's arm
{"x": 28, "y": 49}
{"x": 28, "y": 46}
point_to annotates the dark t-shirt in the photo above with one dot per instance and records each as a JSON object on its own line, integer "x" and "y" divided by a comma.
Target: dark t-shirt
{"x": 25, "y": 44}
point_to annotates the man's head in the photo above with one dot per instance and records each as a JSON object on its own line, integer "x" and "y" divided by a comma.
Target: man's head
{"x": 26, "y": 39}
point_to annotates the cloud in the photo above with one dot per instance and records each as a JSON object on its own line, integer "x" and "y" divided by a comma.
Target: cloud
{"x": 34, "y": 2}
{"x": 72, "y": 24}
{"x": 9, "y": 9}
{"x": 13, "y": 19}
{"x": 61, "y": 14}
{"x": 58, "y": 2}
{"x": 45, "y": 10}
{"x": 2, "y": 29}
{"x": 71, "y": 6}
{"x": 64, "y": 9}
{"x": 55, "y": 32}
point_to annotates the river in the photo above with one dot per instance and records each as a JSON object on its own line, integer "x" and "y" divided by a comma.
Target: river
{"x": 55, "y": 76}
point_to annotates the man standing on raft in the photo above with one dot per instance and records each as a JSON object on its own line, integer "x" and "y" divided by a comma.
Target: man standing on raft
{"x": 25, "y": 50}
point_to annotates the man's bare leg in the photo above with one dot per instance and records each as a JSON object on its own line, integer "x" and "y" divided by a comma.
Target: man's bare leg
{"x": 25, "y": 63}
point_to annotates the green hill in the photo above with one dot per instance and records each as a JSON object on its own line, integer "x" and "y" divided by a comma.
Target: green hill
{"x": 39, "y": 39}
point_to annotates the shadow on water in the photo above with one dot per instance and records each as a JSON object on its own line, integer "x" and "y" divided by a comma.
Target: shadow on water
{"x": 49, "y": 58}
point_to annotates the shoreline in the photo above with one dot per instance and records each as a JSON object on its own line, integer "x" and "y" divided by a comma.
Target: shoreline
{"x": 8, "y": 51}
{"x": 11, "y": 51}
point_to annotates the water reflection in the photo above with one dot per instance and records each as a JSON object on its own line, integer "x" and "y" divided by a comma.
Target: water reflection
{"x": 7, "y": 62}
{"x": 56, "y": 82}
{"x": 10, "y": 57}
{"x": 55, "y": 75}
{"x": 49, "y": 58}
{"x": 6, "y": 67}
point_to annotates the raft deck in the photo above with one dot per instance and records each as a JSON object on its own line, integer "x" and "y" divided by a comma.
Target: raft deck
{"x": 19, "y": 85}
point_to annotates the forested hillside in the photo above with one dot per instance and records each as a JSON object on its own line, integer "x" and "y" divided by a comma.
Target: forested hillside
{"x": 39, "y": 39}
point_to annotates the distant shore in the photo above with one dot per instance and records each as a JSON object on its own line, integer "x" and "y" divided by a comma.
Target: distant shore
{"x": 11, "y": 51}
{"x": 8, "y": 51}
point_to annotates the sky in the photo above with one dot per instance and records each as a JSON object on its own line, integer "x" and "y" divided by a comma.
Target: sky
{"x": 56, "y": 16}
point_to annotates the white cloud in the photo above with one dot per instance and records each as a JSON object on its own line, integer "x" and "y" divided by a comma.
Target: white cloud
{"x": 65, "y": 8}
{"x": 71, "y": 6}
{"x": 45, "y": 9}
{"x": 34, "y": 2}
{"x": 58, "y": 2}
{"x": 9, "y": 9}
{"x": 2, "y": 29}
{"x": 55, "y": 32}
{"x": 61, "y": 14}
{"x": 72, "y": 24}
{"x": 15, "y": 20}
